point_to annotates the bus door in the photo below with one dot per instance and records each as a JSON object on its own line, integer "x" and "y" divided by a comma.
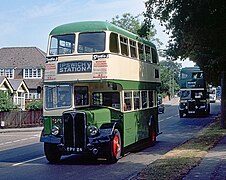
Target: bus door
{"x": 144, "y": 103}
{"x": 137, "y": 115}
{"x": 129, "y": 120}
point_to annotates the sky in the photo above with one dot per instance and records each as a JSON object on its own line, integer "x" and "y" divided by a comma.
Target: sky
{"x": 26, "y": 23}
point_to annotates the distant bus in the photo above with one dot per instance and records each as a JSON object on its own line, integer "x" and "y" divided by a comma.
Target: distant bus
{"x": 213, "y": 94}
{"x": 100, "y": 91}
{"x": 194, "y": 92}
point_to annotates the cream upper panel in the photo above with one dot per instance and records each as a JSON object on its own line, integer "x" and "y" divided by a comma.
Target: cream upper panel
{"x": 100, "y": 66}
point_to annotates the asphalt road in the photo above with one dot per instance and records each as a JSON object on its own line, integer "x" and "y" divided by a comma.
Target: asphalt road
{"x": 21, "y": 153}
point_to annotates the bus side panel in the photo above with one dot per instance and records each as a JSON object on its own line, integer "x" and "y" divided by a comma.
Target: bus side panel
{"x": 129, "y": 128}
{"x": 144, "y": 118}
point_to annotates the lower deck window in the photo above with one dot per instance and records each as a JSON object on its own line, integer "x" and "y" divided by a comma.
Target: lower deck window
{"x": 81, "y": 95}
{"x": 110, "y": 99}
{"x": 57, "y": 96}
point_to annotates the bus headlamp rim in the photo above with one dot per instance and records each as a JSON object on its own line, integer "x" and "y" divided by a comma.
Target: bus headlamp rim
{"x": 55, "y": 130}
{"x": 92, "y": 130}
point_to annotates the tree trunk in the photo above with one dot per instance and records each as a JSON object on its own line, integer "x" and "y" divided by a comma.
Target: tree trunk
{"x": 223, "y": 100}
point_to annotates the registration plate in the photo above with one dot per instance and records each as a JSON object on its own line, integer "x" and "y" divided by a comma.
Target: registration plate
{"x": 71, "y": 149}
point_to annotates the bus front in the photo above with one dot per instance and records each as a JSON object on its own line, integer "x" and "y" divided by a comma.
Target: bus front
{"x": 92, "y": 102}
{"x": 77, "y": 119}
{"x": 193, "y": 93}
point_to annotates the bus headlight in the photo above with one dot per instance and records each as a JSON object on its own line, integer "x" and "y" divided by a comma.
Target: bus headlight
{"x": 55, "y": 130}
{"x": 92, "y": 130}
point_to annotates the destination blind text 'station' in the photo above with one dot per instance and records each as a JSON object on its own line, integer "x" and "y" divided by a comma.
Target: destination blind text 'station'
{"x": 74, "y": 67}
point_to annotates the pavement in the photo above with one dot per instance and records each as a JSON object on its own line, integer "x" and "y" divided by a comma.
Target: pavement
{"x": 212, "y": 166}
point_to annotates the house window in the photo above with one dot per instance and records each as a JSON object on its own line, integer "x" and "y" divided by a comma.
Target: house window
{"x": 2, "y": 73}
{"x": 32, "y": 96}
{"x": 9, "y": 73}
{"x": 32, "y": 73}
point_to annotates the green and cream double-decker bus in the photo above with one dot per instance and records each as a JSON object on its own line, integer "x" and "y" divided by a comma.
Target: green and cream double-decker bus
{"x": 194, "y": 92}
{"x": 99, "y": 91}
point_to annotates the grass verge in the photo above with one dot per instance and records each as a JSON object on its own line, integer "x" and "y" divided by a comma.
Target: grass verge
{"x": 176, "y": 163}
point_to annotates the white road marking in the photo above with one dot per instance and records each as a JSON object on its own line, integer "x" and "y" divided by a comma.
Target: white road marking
{"x": 24, "y": 139}
{"x": 31, "y": 160}
{"x": 169, "y": 117}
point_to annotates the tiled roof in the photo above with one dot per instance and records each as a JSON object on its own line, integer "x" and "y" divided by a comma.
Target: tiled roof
{"x": 15, "y": 83}
{"x": 20, "y": 57}
{"x": 1, "y": 79}
{"x": 33, "y": 83}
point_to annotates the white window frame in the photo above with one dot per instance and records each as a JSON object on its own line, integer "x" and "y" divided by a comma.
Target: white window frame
{"x": 32, "y": 73}
{"x": 8, "y": 72}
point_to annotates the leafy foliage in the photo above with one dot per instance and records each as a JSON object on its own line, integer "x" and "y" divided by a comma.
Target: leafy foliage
{"x": 5, "y": 102}
{"x": 197, "y": 30}
{"x": 169, "y": 69}
{"x": 35, "y": 105}
{"x": 169, "y": 77}
{"x": 132, "y": 23}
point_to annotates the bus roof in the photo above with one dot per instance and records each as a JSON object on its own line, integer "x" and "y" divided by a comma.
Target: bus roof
{"x": 191, "y": 69}
{"x": 96, "y": 26}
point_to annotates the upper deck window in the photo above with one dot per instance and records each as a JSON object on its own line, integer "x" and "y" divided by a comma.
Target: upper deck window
{"x": 141, "y": 51}
{"x": 114, "y": 43}
{"x": 133, "y": 51}
{"x": 124, "y": 45}
{"x": 148, "y": 53}
{"x": 91, "y": 42}
{"x": 154, "y": 55}
{"x": 197, "y": 75}
{"x": 62, "y": 44}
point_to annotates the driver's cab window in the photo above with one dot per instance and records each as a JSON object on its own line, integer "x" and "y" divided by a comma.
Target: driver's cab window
{"x": 81, "y": 95}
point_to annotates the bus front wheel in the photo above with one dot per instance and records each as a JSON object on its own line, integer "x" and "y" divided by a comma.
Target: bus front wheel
{"x": 181, "y": 114}
{"x": 153, "y": 135}
{"x": 115, "y": 148}
{"x": 52, "y": 153}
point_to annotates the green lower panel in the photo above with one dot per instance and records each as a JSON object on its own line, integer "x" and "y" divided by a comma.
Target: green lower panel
{"x": 47, "y": 125}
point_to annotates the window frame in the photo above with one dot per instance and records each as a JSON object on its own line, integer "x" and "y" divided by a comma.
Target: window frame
{"x": 32, "y": 73}
{"x": 7, "y": 72}
{"x": 57, "y": 53}
{"x": 84, "y": 51}
{"x": 124, "y": 42}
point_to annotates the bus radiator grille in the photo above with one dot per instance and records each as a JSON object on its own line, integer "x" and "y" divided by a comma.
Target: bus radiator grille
{"x": 74, "y": 130}
{"x": 191, "y": 105}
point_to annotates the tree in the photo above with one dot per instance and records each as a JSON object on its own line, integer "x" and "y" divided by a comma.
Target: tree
{"x": 5, "y": 102}
{"x": 133, "y": 24}
{"x": 173, "y": 66}
{"x": 169, "y": 72}
{"x": 197, "y": 30}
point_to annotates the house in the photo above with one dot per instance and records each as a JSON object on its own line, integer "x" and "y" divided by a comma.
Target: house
{"x": 5, "y": 85}
{"x": 16, "y": 89}
{"x": 25, "y": 63}
{"x": 19, "y": 90}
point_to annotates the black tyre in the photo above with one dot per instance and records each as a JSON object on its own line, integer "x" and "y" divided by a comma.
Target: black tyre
{"x": 52, "y": 153}
{"x": 181, "y": 114}
{"x": 115, "y": 148}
